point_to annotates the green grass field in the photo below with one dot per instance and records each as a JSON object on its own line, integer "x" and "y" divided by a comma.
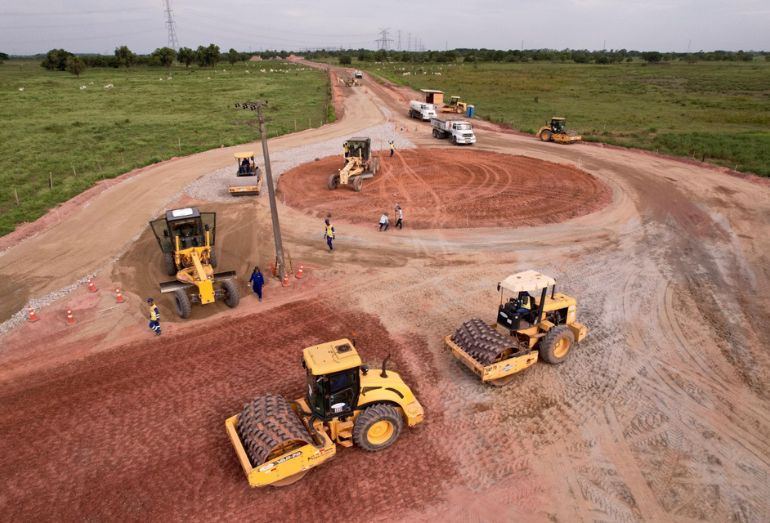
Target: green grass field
{"x": 81, "y": 136}
{"x": 717, "y": 112}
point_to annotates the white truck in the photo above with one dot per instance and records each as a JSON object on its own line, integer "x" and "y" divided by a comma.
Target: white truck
{"x": 421, "y": 110}
{"x": 458, "y": 131}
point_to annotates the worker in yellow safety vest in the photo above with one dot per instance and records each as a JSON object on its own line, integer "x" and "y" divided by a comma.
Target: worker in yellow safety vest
{"x": 154, "y": 316}
{"x": 329, "y": 234}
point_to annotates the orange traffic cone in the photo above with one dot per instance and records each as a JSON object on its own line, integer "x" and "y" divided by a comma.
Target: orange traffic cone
{"x": 31, "y": 316}
{"x": 285, "y": 282}
{"x": 91, "y": 285}
{"x": 70, "y": 317}
{"x": 300, "y": 273}
{"x": 119, "y": 296}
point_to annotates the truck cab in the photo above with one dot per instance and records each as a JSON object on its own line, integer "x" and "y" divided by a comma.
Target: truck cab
{"x": 421, "y": 110}
{"x": 458, "y": 131}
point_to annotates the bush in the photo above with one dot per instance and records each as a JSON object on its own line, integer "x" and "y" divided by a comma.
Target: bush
{"x": 4, "y": 56}
{"x": 56, "y": 60}
{"x": 186, "y": 56}
{"x": 163, "y": 56}
{"x": 233, "y": 56}
{"x": 207, "y": 56}
{"x": 75, "y": 65}
{"x": 345, "y": 60}
{"x": 652, "y": 57}
{"x": 124, "y": 56}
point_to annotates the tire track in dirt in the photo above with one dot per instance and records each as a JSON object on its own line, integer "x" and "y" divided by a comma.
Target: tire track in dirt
{"x": 155, "y": 412}
{"x": 479, "y": 189}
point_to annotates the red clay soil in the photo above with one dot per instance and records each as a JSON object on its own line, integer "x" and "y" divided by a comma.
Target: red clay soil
{"x": 138, "y": 433}
{"x": 450, "y": 188}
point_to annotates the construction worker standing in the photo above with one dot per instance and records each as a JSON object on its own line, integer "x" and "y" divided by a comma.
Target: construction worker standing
{"x": 329, "y": 234}
{"x": 392, "y": 147}
{"x": 399, "y": 217}
{"x": 345, "y": 149}
{"x": 154, "y": 316}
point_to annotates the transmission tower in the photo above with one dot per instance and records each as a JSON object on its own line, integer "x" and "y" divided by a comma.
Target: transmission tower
{"x": 384, "y": 41}
{"x": 173, "y": 43}
{"x": 399, "y": 40}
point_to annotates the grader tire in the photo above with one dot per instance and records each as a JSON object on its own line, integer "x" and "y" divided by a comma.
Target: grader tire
{"x": 232, "y": 296}
{"x": 545, "y": 135}
{"x": 268, "y": 428}
{"x": 182, "y": 303}
{"x": 358, "y": 183}
{"x": 556, "y": 345}
{"x": 378, "y": 427}
{"x": 169, "y": 263}
{"x": 334, "y": 181}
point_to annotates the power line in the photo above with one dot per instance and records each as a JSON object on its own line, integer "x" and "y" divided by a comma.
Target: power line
{"x": 384, "y": 41}
{"x": 173, "y": 43}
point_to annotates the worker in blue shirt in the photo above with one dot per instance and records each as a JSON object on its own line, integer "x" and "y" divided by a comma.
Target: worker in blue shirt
{"x": 257, "y": 281}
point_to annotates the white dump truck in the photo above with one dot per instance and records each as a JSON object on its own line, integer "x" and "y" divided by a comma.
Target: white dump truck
{"x": 421, "y": 110}
{"x": 458, "y": 131}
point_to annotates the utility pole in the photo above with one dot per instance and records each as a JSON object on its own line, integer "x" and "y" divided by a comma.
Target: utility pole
{"x": 257, "y": 107}
{"x": 409, "y": 42}
{"x": 399, "y": 39}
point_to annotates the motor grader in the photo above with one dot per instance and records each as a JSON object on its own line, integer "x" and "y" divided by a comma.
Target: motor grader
{"x": 278, "y": 441}
{"x": 556, "y": 131}
{"x": 360, "y": 164}
{"x": 528, "y": 328}
{"x": 455, "y": 105}
{"x": 187, "y": 237}
{"x": 246, "y": 169}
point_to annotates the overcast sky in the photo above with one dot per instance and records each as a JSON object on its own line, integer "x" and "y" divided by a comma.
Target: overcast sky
{"x": 34, "y": 26}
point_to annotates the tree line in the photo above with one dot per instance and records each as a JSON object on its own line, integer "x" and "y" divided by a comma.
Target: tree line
{"x": 580, "y": 56}
{"x": 203, "y": 56}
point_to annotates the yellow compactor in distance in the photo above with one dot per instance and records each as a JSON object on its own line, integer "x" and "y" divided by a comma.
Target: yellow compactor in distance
{"x": 248, "y": 180}
{"x": 556, "y": 131}
{"x": 278, "y": 441}
{"x": 528, "y": 327}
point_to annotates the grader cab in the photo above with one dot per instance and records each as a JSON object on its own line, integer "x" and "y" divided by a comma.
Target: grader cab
{"x": 531, "y": 323}
{"x": 278, "y": 441}
{"x": 187, "y": 238}
{"x": 360, "y": 164}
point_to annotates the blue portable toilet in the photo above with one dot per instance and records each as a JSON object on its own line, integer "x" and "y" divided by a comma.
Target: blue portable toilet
{"x": 471, "y": 111}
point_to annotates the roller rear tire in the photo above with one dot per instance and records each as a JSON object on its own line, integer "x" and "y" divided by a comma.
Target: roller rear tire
{"x": 557, "y": 344}
{"x": 377, "y": 427}
{"x": 545, "y": 136}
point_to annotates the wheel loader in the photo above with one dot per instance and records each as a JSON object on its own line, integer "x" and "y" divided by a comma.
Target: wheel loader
{"x": 246, "y": 169}
{"x": 556, "y": 131}
{"x": 360, "y": 164}
{"x": 455, "y": 105}
{"x": 186, "y": 237}
{"x": 528, "y": 327}
{"x": 278, "y": 441}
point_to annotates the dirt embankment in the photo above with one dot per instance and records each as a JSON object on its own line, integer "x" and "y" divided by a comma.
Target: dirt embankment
{"x": 450, "y": 188}
{"x": 138, "y": 433}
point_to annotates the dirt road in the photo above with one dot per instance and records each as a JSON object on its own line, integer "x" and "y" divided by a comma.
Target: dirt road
{"x": 661, "y": 414}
